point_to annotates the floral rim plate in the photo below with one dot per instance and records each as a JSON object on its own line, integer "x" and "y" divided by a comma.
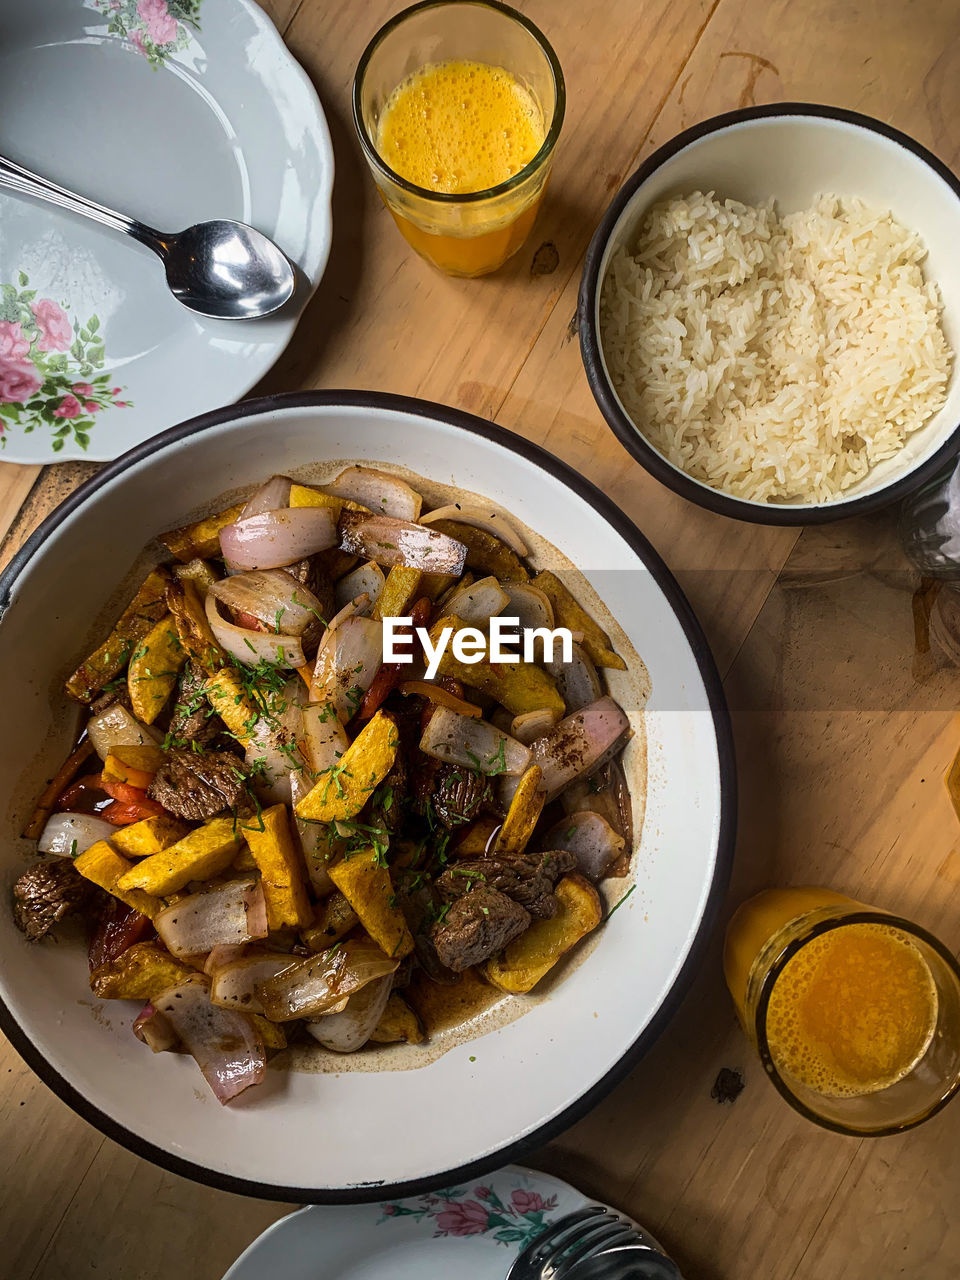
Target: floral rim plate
{"x": 173, "y": 111}
{"x": 473, "y": 1232}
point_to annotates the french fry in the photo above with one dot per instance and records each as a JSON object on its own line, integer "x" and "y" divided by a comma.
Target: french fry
{"x": 193, "y": 629}
{"x": 519, "y": 686}
{"x": 334, "y": 918}
{"x": 398, "y": 592}
{"x": 398, "y": 1024}
{"x": 302, "y": 495}
{"x": 140, "y": 616}
{"x": 153, "y": 670}
{"x": 366, "y": 884}
{"x": 531, "y": 956}
{"x": 200, "y": 572}
{"x": 226, "y": 695}
{"x": 140, "y": 973}
{"x": 103, "y": 866}
{"x": 281, "y": 868}
{"x": 271, "y": 1033}
{"x": 567, "y": 612}
{"x": 202, "y": 853}
{"x": 201, "y": 539}
{"x": 343, "y": 790}
{"x": 152, "y": 835}
{"x": 523, "y": 814}
{"x": 54, "y": 788}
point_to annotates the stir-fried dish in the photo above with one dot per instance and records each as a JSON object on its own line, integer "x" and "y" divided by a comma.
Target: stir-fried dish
{"x": 274, "y": 830}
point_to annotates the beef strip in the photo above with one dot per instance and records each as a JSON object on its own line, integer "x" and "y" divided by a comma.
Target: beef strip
{"x": 476, "y": 927}
{"x": 107, "y": 699}
{"x": 193, "y": 719}
{"x": 47, "y": 893}
{"x": 198, "y": 785}
{"x": 527, "y": 878}
{"x": 456, "y": 795}
{"x": 313, "y": 573}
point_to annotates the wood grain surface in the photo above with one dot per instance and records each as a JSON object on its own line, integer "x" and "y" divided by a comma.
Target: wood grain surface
{"x": 843, "y": 731}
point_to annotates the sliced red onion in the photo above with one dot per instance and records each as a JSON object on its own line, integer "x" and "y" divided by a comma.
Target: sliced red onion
{"x": 349, "y": 657}
{"x": 221, "y": 956}
{"x": 273, "y": 748}
{"x": 116, "y": 727}
{"x": 233, "y": 986}
{"x": 590, "y": 838}
{"x": 605, "y": 793}
{"x": 479, "y": 518}
{"x": 319, "y": 844}
{"x": 272, "y": 496}
{"x": 367, "y": 579}
{"x": 473, "y": 743}
{"x": 226, "y": 1045}
{"x": 277, "y": 538}
{"x": 154, "y": 1030}
{"x": 478, "y": 602}
{"x": 529, "y": 604}
{"x": 577, "y": 680}
{"x": 228, "y": 914}
{"x": 390, "y": 541}
{"x": 324, "y": 737}
{"x": 253, "y": 647}
{"x": 377, "y": 491}
{"x": 316, "y": 984}
{"x": 361, "y": 605}
{"x": 351, "y": 1028}
{"x": 73, "y": 833}
{"x": 531, "y": 725}
{"x": 580, "y": 744}
{"x": 272, "y": 596}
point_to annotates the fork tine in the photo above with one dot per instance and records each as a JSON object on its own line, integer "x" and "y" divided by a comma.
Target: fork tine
{"x": 529, "y": 1262}
{"x": 598, "y": 1241}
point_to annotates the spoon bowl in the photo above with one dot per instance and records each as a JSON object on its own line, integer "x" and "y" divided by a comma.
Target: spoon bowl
{"x": 227, "y": 270}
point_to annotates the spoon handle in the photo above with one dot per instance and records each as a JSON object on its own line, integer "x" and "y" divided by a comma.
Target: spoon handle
{"x": 16, "y": 178}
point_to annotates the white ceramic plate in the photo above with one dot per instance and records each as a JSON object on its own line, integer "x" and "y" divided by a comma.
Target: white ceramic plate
{"x": 472, "y": 1232}
{"x": 359, "y": 1135}
{"x": 173, "y": 111}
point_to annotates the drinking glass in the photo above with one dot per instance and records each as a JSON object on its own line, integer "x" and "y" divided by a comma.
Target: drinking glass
{"x": 467, "y": 233}
{"x": 764, "y": 936}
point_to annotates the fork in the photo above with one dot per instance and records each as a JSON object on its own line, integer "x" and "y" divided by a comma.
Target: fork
{"x": 572, "y": 1239}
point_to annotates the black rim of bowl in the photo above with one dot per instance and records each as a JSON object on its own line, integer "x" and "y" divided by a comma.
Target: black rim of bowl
{"x": 510, "y": 1151}
{"x": 632, "y": 438}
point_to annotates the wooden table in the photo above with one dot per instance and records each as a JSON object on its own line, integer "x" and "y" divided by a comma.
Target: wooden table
{"x": 844, "y": 731}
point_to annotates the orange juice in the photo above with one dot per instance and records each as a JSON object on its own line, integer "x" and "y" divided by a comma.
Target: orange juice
{"x": 457, "y": 128}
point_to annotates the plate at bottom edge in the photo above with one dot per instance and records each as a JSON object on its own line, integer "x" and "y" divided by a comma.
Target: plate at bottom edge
{"x": 473, "y": 1231}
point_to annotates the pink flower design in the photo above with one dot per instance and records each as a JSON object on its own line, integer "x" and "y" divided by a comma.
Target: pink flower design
{"x": 54, "y": 325}
{"x": 465, "y": 1219}
{"x": 82, "y": 389}
{"x": 482, "y": 1193}
{"x": 19, "y": 380}
{"x": 13, "y": 345}
{"x": 161, "y": 26}
{"x": 120, "y": 404}
{"x": 137, "y": 40}
{"x": 527, "y": 1201}
{"x": 389, "y": 1209}
{"x": 91, "y": 406}
{"x": 69, "y": 407}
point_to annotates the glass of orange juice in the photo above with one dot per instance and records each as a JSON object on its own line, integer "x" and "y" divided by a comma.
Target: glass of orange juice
{"x": 458, "y": 105}
{"x": 855, "y": 1012}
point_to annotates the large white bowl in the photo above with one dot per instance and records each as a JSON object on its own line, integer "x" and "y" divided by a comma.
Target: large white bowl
{"x": 355, "y": 1135}
{"x": 791, "y": 152}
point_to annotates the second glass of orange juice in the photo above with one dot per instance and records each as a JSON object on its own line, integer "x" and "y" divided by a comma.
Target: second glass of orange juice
{"x": 855, "y": 1012}
{"x": 458, "y": 105}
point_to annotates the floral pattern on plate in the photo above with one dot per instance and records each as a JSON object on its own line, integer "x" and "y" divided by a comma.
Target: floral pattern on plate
{"x": 515, "y": 1223}
{"x": 49, "y": 368}
{"x": 156, "y": 28}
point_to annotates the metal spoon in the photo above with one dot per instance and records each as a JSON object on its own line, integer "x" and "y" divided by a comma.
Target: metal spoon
{"x": 223, "y": 269}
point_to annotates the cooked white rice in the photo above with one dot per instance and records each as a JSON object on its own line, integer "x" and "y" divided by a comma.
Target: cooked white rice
{"x": 777, "y": 359}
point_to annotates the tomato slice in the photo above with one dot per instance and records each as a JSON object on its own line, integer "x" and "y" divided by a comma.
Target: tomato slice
{"x": 117, "y": 929}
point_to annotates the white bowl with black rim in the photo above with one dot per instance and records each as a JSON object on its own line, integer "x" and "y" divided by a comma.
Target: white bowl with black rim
{"x": 793, "y": 153}
{"x": 359, "y": 1135}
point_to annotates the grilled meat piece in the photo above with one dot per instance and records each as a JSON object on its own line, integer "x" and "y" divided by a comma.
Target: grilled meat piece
{"x": 198, "y": 785}
{"x": 105, "y": 700}
{"x": 314, "y": 575}
{"x": 527, "y": 878}
{"x": 47, "y": 893}
{"x": 455, "y": 794}
{"x": 476, "y": 927}
{"x": 193, "y": 719}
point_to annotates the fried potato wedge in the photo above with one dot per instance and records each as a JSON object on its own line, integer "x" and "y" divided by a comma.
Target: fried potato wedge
{"x": 302, "y": 495}
{"x": 280, "y": 866}
{"x": 226, "y": 695}
{"x": 200, "y": 572}
{"x": 334, "y": 918}
{"x": 342, "y": 791}
{"x": 567, "y": 612}
{"x": 531, "y": 957}
{"x": 271, "y": 1033}
{"x": 201, "y": 539}
{"x": 398, "y": 592}
{"x": 140, "y": 973}
{"x": 139, "y": 618}
{"x": 150, "y": 836}
{"x": 484, "y": 551}
{"x": 153, "y": 670}
{"x": 202, "y": 853}
{"x": 519, "y": 686}
{"x": 398, "y": 1024}
{"x": 366, "y": 883}
{"x": 103, "y": 866}
{"x": 193, "y": 629}
{"x": 523, "y": 814}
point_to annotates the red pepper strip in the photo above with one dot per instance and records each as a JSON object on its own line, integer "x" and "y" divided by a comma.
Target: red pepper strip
{"x": 244, "y": 619}
{"x": 131, "y": 798}
{"x": 123, "y": 815}
{"x": 83, "y": 796}
{"x": 55, "y": 789}
{"x": 117, "y": 929}
{"x": 388, "y": 677}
